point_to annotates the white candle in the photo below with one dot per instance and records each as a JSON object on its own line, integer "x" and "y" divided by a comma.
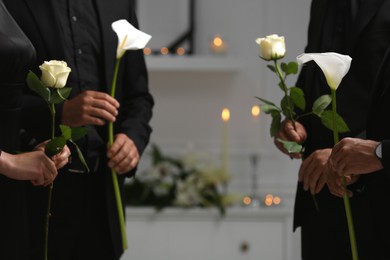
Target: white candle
{"x": 225, "y": 120}
{"x": 255, "y": 111}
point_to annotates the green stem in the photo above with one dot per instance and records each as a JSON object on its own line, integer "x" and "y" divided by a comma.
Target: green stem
{"x": 116, "y": 70}
{"x": 347, "y": 205}
{"x": 303, "y": 115}
{"x": 113, "y": 173}
{"x": 50, "y": 191}
{"x": 285, "y": 90}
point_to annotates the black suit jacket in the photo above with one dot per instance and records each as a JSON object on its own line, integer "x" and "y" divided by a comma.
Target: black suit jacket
{"x": 37, "y": 19}
{"x": 366, "y": 42}
{"x": 377, "y": 184}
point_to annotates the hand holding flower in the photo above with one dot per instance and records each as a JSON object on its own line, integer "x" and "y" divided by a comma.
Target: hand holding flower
{"x": 129, "y": 38}
{"x": 90, "y": 108}
{"x": 336, "y": 183}
{"x": 354, "y": 156}
{"x": 290, "y": 132}
{"x": 60, "y": 159}
{"x": 335, "y": 66}
{"x": 51, "y": 87}
{"x": 123, "y": 154}
{"x": 31, "y": 166}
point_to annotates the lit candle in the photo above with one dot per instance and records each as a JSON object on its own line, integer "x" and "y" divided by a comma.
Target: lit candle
{"x": 255, "y": 143}
{"x": 218, "y": 45}
{"x": 225, "y": 118}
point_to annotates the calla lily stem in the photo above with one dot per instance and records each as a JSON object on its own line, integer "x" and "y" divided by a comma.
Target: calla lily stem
{"x": 347, "y": 205}
{"x": 113, "y": 173}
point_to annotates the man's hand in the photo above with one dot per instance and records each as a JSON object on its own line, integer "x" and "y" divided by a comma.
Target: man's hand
{"x": 335, "y": 183}
{"x": 123, "y": 154}
{"x": 314, "y": 171}
{"x": 354, "y": 156}
{"x": 288, "y": 133}
{"x": 90, "y": 108}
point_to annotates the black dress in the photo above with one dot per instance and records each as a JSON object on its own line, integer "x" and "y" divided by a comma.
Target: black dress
{"x": 16, "y": 56}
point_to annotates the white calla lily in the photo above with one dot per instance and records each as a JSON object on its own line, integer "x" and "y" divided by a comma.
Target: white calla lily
{"x": 129, "y": 37}
{"x": 334, "y": 65}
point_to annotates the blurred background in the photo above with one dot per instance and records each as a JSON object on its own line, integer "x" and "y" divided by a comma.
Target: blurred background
{"x": 216, "y": 66}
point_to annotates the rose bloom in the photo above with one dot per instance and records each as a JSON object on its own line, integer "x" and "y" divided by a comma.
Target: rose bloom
{"x": 54, "y": 73}
{"x": 272, "y": 47}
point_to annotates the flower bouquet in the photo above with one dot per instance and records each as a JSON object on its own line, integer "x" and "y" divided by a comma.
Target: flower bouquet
{"x": 181, "y": 182}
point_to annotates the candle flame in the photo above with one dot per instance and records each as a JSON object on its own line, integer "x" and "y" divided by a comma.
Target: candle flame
{"x": 218, "y": 41}
{"x": 225, "y": 115}
{"x": 255, "y": 111}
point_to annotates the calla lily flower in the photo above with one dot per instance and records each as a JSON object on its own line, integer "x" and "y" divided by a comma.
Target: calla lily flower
{"x": 334, "y": 65}
{"x": 129, "y": 38}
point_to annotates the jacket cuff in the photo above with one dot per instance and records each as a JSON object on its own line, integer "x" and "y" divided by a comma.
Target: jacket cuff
{"x": 386, "y": 157}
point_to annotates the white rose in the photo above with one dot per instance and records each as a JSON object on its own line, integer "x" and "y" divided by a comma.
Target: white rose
{"x": 272, "y": 47}
{"x": 54, "y": 73}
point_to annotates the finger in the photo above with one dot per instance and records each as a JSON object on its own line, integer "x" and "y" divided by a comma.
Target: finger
{"x": 104, "y": 96}
{"x": 321, "y": 183}
{"x": 91, "y": 120}
{"x": 101, "y": 113}
{"x": 104, "y": 105}
{"x": 118, "y": 158}
{"x": 38, "y": 182}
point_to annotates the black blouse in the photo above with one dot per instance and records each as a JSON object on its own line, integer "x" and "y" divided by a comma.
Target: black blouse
{"x": 16, "y": 56}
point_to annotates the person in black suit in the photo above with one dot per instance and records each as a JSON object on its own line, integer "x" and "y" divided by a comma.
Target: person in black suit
{"x": 16, "y": 56}
{"x": 84, "y": 221}
{"x": 360, "y": 29}
{"x": 368, "y": 160}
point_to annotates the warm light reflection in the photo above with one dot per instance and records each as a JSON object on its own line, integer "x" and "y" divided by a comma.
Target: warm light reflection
{"x": 255, "y": 111}
{"x": 164, "y": 51}
{"x": 246, "y": 200}
{"x": 225, "y": 114}
{"x": 268, "y": 200}
{"x": 180, "y": 51}
{"x": 147, "y": 51}
{"x": 277, "y": 200}
{"x": 217, "y": 41}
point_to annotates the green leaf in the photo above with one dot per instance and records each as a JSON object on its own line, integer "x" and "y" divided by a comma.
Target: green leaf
{"x": 265, "y": 101}
{"x": 284, "y": 67}
{"x": 291, "y": 147}
{"x": 298, "y": 97}
{"x": 60, "y": 94}
{"x": 287, "y": 105}
{"x": 275, "y": 124}
{"x": 80, "y": 155}
{"x": 66, "y": 132}
{"x": 321, "y": 104}
{"x": 272, "y": 68}
{"x": 269, "y": 108}
{"x": 281, "y": 86}
{"x": 35, "y": 84}
{"x": 78, "y": 133}
{"x": 327, "y": 121}
{"x": 292, "y": 68}
{"x": 55, "y": 146}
